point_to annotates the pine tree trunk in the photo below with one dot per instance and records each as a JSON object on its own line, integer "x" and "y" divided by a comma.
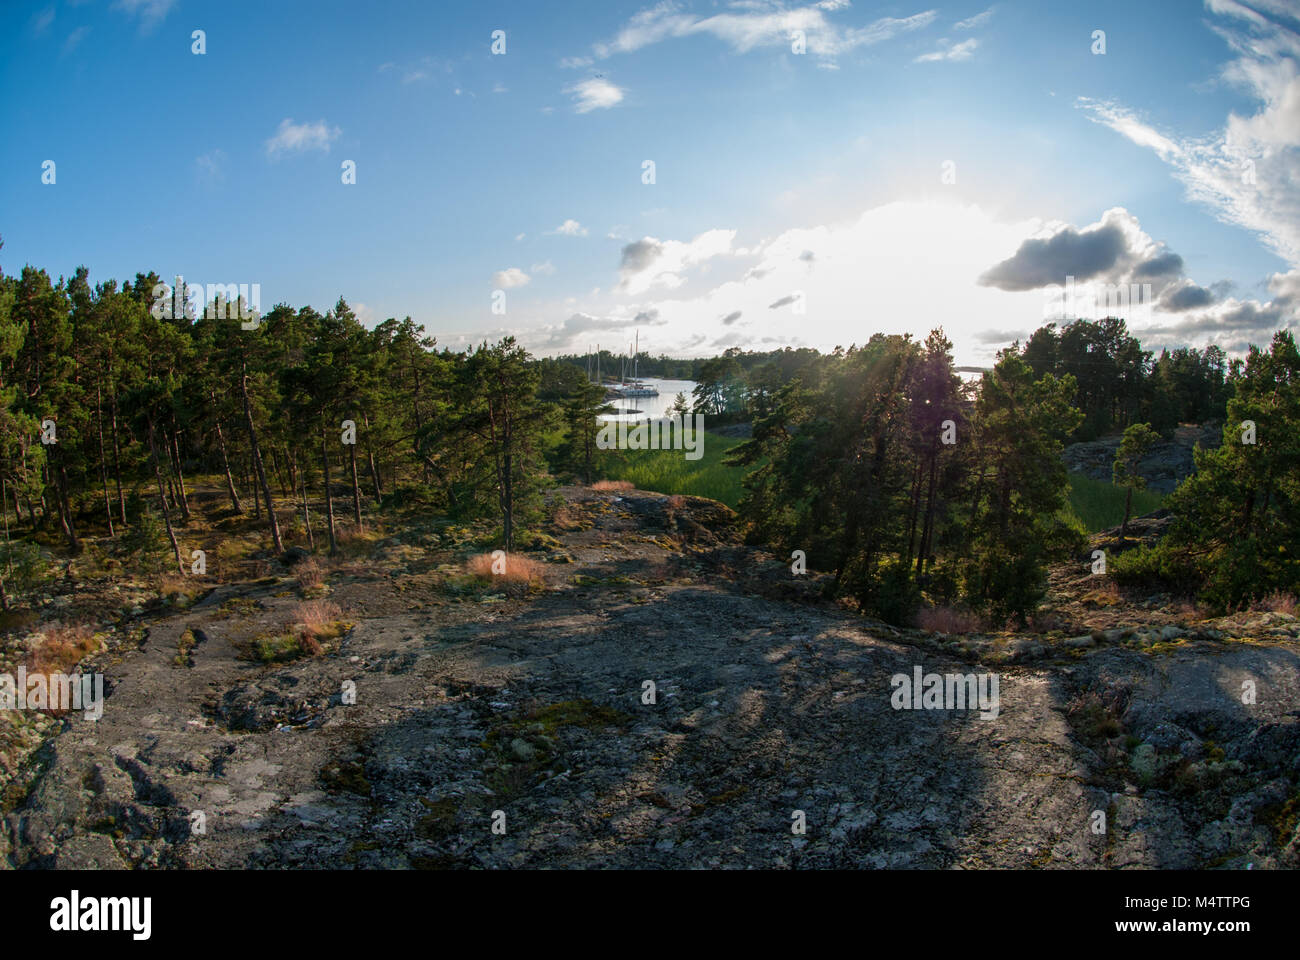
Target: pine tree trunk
{"x": 182, "y": 499}
{"x": 225, "y": 466}
{"x": 167, "y": 518}
{"x": 306, "y": 512}
{"x": 356, "y": 488}
{"x": 117, "y": 463}
{"x": 370, "y": 456}
{"x": 65, "y": 508}
{"x": 329, "y": 498}
{"x": 257, "y": 460}
{"x": 103, "y": 463}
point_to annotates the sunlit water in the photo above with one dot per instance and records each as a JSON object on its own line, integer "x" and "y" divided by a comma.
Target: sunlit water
{"x": 651, "y": 408}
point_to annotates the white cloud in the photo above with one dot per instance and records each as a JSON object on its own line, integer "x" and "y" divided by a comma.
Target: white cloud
{"x": 211, "y": 166}
{"x": 544, "y": 269}
{"x": 950, "y": 51}
{"x": 295, "y": 137}
{"x": 752, "y": 25}
{"x": 570, "y": 228}
{"x": 510, "y": 277}
{"x": 1247, "y": 172}
{"x": 970, "y": 23}
{"x": 150, "y": 12}
{"x": 74, "y": 39}
{"x": 364, "y": 313}
{"x": 594, "y": 93}
{"x": 906, "y": 267}
{"x": 649, "y": 262}
{"x": 41, "y": 20}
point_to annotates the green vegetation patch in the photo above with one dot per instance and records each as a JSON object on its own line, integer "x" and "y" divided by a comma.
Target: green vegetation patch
{"x": 668, "y": 471}
{"x": 1100, "y": 505}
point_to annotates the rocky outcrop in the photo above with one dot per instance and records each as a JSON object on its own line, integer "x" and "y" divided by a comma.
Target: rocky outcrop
{"x": 652, "y": 707}
{"x": 1168, "y": 463}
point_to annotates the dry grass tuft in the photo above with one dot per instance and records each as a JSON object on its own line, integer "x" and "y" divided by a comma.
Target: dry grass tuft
{"x": 515, "y": 568}
{"x": 318, "y": 618}
{"x": 1189, "y": 610}
{"x": 945, "y": 619}
{"x": 611, "y": 486}
{"x": 61, "y": 647}
{"x": 309, "y": 574}
{"x": 1276, "y": 602}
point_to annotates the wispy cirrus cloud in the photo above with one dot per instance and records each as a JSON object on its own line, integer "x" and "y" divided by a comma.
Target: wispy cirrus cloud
{"x": 1246, "y": 173}
{"x": 970, "y": 23}
{"x": 950, "y": 51}
{"x": 149, "y": 12}
{"x": 293, "y": 137}
{"x": 753, "y": 25}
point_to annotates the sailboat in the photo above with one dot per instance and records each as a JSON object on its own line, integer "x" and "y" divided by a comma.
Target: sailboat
{"x": 636, "y": 388}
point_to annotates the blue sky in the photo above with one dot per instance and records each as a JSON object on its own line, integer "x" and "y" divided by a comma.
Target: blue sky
{"x": 799, "y": 198}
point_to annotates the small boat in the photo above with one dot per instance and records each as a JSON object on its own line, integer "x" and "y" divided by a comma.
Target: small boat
{"x": 635, "y": 388}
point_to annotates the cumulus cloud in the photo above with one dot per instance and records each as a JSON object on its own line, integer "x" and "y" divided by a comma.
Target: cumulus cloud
{"x": 1247, "y": 172}
{"x": 571, "y": 332}
{"x": 905, "y": 267}
{"x": 510, "y": 277}
{"x": 297, "y": 137}
{"x": 649, "y": 262}
{"x": 1230, "y": 322}
{"x": 570, "y": 228}
{"x": 1083, "y": 254}
{"x": 1185, "y": 296}
{"x": 1162, "y": 265}
{"x": 1117, "y": 253}
{"x": 595, "y": 93}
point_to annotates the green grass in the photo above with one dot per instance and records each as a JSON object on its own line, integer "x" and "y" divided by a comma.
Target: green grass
{"x": 668, "y": 471}
{"x": 1100, "y": 505}
{"x": 1096, "y": 504}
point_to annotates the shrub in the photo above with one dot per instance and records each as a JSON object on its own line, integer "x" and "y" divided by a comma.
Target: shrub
{"x": 146, "y": 543}
{"x": 23, "y": 568}
{"x": 891, "y": 595}
{"x": 1159, "y": 567}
